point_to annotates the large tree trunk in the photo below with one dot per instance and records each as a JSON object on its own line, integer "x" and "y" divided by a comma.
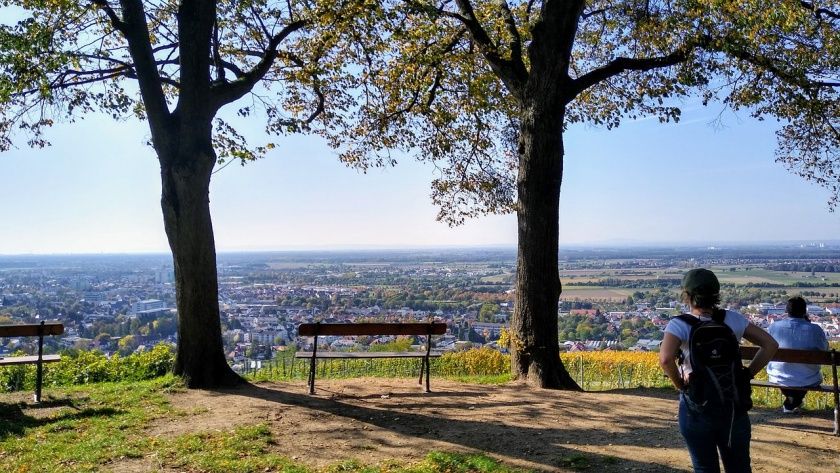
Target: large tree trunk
{"x": 200, "y": 359}
{"x": 535, "y": 347}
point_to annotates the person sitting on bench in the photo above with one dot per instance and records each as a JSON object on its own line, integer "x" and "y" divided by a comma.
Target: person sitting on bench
{"x": 796, "y": 332}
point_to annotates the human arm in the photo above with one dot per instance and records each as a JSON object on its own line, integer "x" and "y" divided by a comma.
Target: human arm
{"x": 668, "y": 359}
{"x": 766, "y": 344}
{"x": 823, "y": 340}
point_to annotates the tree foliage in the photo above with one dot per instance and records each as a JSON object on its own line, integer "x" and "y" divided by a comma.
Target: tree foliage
{"x": 449, "y": 80}
{"x": 63, "y": 59}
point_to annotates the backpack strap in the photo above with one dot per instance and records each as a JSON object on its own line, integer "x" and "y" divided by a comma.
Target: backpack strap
{"x": 719, "y": 315}
{"x": 692, "y": 322}
{"x": 689, "y": 319}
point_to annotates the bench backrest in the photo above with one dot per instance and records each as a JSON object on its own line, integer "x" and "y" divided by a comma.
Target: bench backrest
{"x": 31, "y": 330}
{"x": 433, "y": 328}
{"x": 811, "y": 357}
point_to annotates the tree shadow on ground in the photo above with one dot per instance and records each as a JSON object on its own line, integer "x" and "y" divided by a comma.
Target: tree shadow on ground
{"x": 550, "y": 448}
{"x": 14, "y": 419}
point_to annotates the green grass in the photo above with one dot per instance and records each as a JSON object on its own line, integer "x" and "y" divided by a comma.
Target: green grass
{"x": 83, "y": 428}
{"x": 97, "y": 427}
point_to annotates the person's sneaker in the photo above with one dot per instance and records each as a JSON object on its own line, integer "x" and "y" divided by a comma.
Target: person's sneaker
{"x": 795, "y": 410}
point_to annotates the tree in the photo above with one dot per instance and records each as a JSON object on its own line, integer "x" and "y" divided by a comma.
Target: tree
{"x": 485, "y": 89}
{"x": 487, "y": 312}
{"x": 174, "y": 65}
{"x": 127, "y": 345}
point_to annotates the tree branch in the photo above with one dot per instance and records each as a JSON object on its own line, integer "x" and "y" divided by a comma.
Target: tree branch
{"x": 228, "y": 92}
{"x": 512, "y": 76}
{"x": 516, "y": 40}
{"x": 136, "y": 32}
{"x": 622, "y": 64}
{"x": 820, "y": 11}
{"x": 115, "y": 20}
{"x": 766, "y": 63}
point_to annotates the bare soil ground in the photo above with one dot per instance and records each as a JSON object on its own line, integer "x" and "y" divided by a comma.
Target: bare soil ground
{"x": 375, "y": 420}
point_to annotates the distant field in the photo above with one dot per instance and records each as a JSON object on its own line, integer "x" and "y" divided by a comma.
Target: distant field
{"x": 293, "y": 265}
{"x": 742, "y": 276}
{"x": 759, "y": 276}
{"x": 498, "y": 278}
{"x": 594, "y": 292}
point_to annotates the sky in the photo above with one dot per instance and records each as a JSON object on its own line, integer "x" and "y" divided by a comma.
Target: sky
{"x": 97, "y": 190}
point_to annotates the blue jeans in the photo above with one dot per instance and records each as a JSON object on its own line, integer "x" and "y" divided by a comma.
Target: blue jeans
{"x": 707, "y": 433}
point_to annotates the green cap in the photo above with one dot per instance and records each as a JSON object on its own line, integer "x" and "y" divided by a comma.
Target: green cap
{"x": 701, "y": 282}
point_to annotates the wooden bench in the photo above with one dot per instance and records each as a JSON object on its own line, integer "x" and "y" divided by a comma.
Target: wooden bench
{"x": 808, "y": 357}
{"x": 370, "y": 329}
{"x": 32, "y": 330}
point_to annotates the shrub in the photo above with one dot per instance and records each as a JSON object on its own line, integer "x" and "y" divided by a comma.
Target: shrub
{"x": 83, "y": 367}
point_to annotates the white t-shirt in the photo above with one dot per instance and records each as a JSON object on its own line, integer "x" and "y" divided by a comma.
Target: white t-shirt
{"x": 680, "y": 329}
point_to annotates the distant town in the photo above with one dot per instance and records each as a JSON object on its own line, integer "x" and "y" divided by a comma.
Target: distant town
{"x": 616, "y": 299}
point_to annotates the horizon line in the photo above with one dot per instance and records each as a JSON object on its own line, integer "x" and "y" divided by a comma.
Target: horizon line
{"x": 603, "y": 244}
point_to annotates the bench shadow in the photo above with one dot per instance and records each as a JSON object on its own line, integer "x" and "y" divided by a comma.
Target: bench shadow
{"x": 656, "y": 393}
{"x": 14, "y": 421}
{"x": 417, "y": 395}
{"x": 552, "y": 448}
{"x": 799, "y": 424}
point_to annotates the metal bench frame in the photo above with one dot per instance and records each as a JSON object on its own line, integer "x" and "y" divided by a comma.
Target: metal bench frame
{"x": 318, "y": 329}
{"x": 809, "y": 357}
{"x": 32, "y": 330}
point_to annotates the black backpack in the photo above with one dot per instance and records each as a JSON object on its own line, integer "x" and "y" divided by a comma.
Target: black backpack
{"x": 718, "y": 379}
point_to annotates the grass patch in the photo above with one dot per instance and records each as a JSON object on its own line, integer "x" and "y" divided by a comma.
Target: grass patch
{"x": 480, "y": 379}
{"x": 576, "y": 462}
{"x": 459, "y": 463}
{"x": 82, "y": 428}
{"x": 245, "y": 449}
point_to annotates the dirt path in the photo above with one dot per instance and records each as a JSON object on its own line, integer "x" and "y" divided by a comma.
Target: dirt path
{"x": 373, "y": 420}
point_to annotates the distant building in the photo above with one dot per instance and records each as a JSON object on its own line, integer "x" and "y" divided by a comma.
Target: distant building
{"x": 148, "y": 306}
{"x": 94, "y": 297}
{"x": 816, "y": 310}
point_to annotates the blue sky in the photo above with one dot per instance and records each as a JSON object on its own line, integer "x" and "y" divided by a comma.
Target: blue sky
{"x": 97, "y": 190}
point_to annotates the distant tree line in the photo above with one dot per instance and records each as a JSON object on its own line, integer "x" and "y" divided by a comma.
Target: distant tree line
{"x": 628, "y": 283}
{"x": 804, "y": 267}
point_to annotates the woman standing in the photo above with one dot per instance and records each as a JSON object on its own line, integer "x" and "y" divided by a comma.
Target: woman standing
{"x": 711, "y": 428}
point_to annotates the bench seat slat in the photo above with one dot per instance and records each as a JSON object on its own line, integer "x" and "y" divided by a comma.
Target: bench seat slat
{"x": 792, "y": 356}
{"x": 31, "y": 330}
{"x": 365, "y": 354}
{"x": 310, "y": 330}
{"x": 826, "y": 388}
{"x": 29, "y": 359}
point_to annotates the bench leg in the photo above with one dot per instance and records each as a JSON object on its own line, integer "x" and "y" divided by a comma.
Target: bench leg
{"x": 428, "y": 372}
{"x": 311, "y": 382}
{"x": 39, "y": 370}
{"x": 836, "y": 420}
{"x": 312, "y": 366}
{"x": 422, "y": 367}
